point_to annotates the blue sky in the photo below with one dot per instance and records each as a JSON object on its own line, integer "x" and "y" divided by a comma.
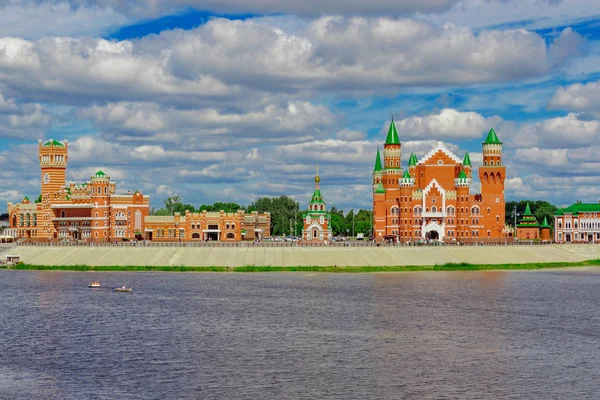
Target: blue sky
{"x": 230, "y": 100}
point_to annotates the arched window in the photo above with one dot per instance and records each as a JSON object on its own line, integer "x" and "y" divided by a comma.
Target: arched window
{"x": 434, "y": 209}
{"x": 63, "y": 214}
{"x": 497, "y": 218}
{"x": 489, "y": 210}
{"x": 230, "y": 235}
{"x": 94, "y": 192}
{"x": 232, "y": 226}
{"x": 485, "y": 177}
{"x": 226, "y": 226}
{"x": 96, "y": 215}
{"x": 106, "y": 190}
{"x": 498, "y": 176}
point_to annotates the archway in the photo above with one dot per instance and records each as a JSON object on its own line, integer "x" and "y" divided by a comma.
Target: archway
{"x": 433, "y": 235}
{"x": 230, "y": 236}
{"x": 195, "y": 235}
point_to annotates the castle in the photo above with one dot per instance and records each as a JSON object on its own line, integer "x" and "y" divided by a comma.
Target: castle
{"x": 431, "y": 200}
{"x": 94, "y": 211}
{"x": 91, "y": 211}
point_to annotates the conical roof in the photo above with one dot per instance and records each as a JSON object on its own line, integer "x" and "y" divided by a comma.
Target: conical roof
{"x": 392, "y": 136}
{"x": 467, "y": 159}
{"x": 412, "y": 161}
{"x": 380, "y": 188}
{"x": 527, "y": 211}
{"x": 492, "y": 138}
{"x": 406, "y": 175}
{"x": 378, "y": 166}
{"x": 545, "y": 224}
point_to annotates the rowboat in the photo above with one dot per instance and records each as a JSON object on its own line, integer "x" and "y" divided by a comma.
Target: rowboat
{"x": 94, "y": 284}
{"x": 122, "y": 289}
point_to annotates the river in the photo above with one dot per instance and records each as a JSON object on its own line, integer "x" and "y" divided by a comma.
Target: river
{"x": 430, "y": 335}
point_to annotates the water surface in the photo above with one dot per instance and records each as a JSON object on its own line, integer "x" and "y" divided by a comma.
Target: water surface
{"x": 467, "y": 335}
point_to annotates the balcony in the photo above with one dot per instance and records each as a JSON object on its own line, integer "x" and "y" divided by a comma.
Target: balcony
{"x": 430, "y": 214}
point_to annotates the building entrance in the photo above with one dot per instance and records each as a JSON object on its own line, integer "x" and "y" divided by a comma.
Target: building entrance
{"x": 433, "y": 235}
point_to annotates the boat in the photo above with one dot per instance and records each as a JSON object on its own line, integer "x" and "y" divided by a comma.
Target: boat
{"x": 122, "y": 289}
{"x": 94, "y": 284}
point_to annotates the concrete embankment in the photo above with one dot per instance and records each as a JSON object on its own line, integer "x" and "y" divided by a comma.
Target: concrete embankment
{"x": 302, "y": 256}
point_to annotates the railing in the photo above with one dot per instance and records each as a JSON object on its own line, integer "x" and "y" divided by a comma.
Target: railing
{"x": 215, "y": 244}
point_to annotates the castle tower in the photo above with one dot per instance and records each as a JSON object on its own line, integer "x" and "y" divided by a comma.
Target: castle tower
{"x": 392, "y": 151}
{"x": 53, "y": 157}
{"x": 467, "y": 165}
{"x": 377, "y": 171}
{"x": 492, "y": 175}
{"x": 100, "y": 185}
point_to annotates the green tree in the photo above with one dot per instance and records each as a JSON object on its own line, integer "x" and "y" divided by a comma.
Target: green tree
{"x": 282, "y": 209}
{"x": 539, "y": 208}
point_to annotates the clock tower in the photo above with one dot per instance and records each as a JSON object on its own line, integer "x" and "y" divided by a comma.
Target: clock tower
{"x": 53, "y": 164}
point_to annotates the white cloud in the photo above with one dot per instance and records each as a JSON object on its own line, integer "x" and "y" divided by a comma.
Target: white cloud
{"x": 23, "y": 121}
{"x": 566, "y": 132}
{"x": 533, "y": 14}
{"x": 32, "y": 20}
{"x": 350, "y": 135}
{"x": 218, "y": 61}
{"x": 577, "y": 97}
{"x": 447, "y": 124}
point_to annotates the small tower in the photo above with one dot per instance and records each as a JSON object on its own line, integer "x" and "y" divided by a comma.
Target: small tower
{"x": 528, "y": 227}
{"x": 379, "y": 213}
{"x": 99, "y": 185}
{"x": 377, "y": 170}
{"x": 53, "y": 157}
{"x": 412, "y": 164}
{"x": 392, "y": 149}
{"x": 317, "y": 220}
{"x": 467, "y": 165}
{"x": 545, "y": 231}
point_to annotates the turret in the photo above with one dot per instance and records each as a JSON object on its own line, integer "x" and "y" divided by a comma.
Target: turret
{"x": 463, "y": 181}
{"x": 377, "y": 170}
{"x": 412, "y": 164}
{"x": 53, "y": 157}
{"x": 492, "y": 149}
{"x": 392, "y": 149}
{"x": 467, "y": 165}
{"x": 406, "y": 180}
{"x": 545, "y": 231}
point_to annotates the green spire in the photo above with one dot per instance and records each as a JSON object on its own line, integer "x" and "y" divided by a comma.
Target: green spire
{"x": 462, "y": 175}
{"x": 527, "y": 212}
{"x": 392, "y": 136}
{"x": 412, "y": 161}
{"x": 380, "y": 188}
{"x": 492, "y": 138}
{"x": 406, "y": 175}
{"x": 378, "y": 166}
{"x": 317, "y": 198}
{"x": 467, "y": 159}
{"x": 545, "y": 224}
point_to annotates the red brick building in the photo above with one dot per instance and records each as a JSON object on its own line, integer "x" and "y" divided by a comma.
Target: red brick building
{"x": 431, "y": 199}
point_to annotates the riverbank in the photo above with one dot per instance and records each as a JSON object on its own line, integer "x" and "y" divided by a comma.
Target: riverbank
{"x": 306, "y": 257}
{"x": 334, "y": 269}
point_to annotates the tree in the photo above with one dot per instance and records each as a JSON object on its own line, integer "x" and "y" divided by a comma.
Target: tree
{"x": 171, "y": 203}
{"x": 4, "y": 217}
{"x": 282, "y": 209}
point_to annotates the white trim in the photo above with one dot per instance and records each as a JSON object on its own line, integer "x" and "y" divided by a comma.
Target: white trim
{"x": 444, "y": 149}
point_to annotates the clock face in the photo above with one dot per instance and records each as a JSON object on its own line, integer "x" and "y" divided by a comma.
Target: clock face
{"x": 46, "y": 179}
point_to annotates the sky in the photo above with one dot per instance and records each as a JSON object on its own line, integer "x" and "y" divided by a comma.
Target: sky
{"x": 229, "y": 100}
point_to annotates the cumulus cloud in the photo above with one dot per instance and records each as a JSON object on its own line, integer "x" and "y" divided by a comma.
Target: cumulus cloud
{"x": 218, "y": 61}
{"x": 23, "y": 121}
{"x": 350, "y": 135}
{"x": 446, "y": 124}
{"x": 32, "y": 20}
{"x": 566, "y": 132}
{"x": 577, "y": 97}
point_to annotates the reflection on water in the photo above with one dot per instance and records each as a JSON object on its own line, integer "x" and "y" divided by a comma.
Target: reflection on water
{"x": 300, "y": 336}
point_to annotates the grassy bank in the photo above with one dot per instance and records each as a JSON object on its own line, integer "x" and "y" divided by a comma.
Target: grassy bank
{"x": 333, "y": 269}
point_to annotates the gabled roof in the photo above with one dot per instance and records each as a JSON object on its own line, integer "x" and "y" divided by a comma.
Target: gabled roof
{"x": 378, "y": 166}
{"x": 577, "y": 208}
{"x": 100, "y": 174}
{"x": 440, "y": 147}
{"x": 492, "y": 138}
{"x": 392, "y": 136}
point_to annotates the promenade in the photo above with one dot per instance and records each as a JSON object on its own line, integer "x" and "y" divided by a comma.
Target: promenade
{"x": 300, "y": 256}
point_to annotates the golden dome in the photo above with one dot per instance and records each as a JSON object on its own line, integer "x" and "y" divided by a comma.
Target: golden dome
{"x": 317, "y": 179}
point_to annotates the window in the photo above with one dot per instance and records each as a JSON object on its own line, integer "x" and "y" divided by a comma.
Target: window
{"x": 63, "y": 214}
{"x": 559, "y": 224}
{"x": 434, "y": 209}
